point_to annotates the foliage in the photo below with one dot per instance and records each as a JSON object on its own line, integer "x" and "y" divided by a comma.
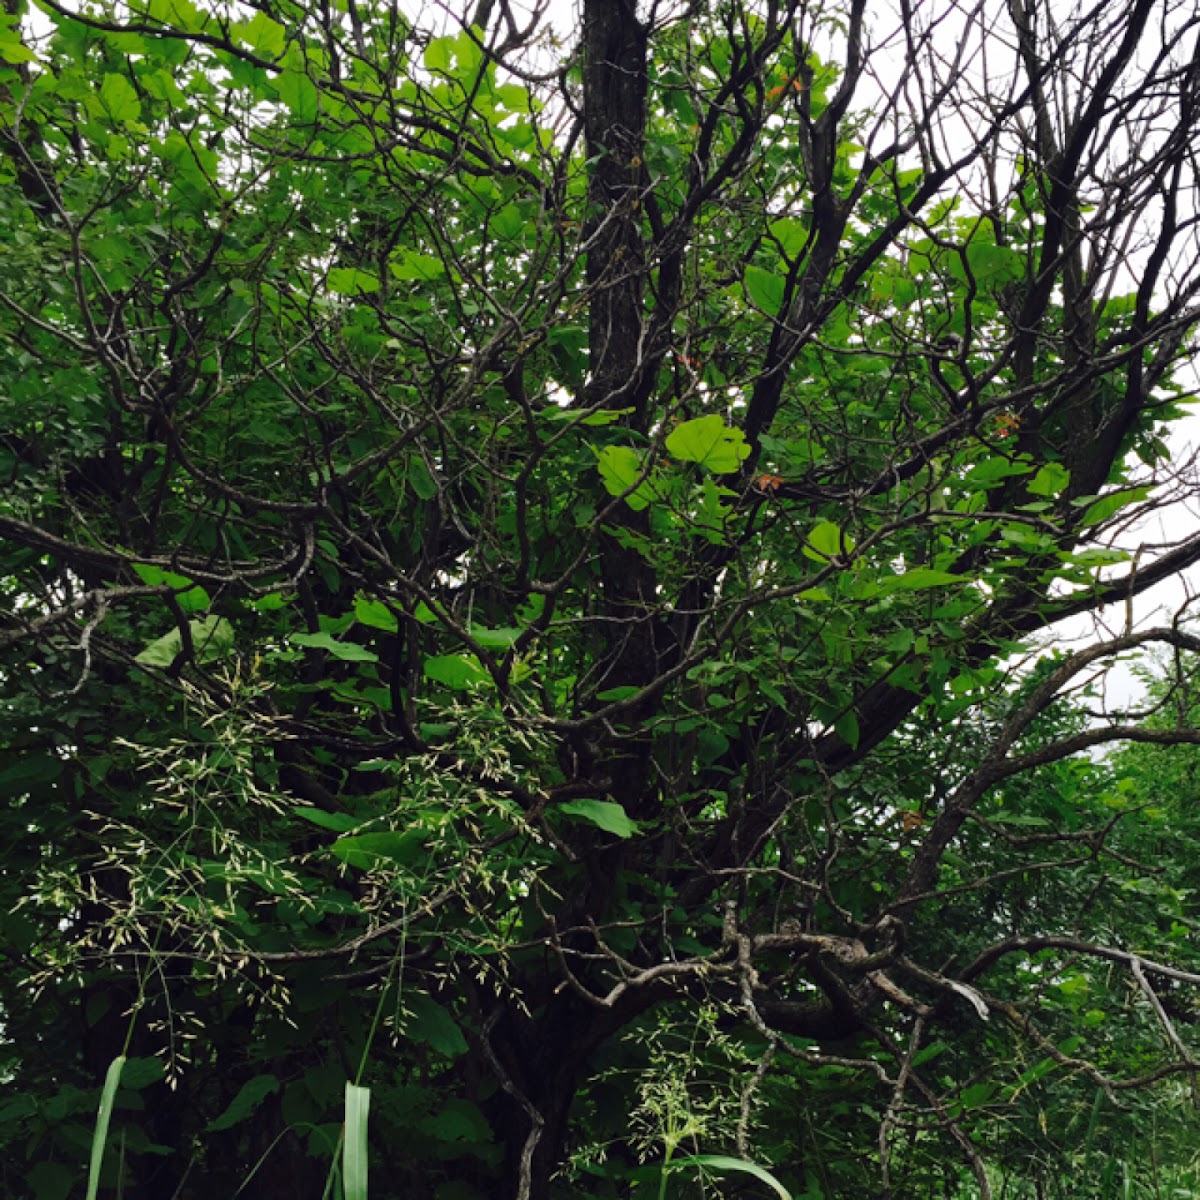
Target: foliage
{"x": 521, "y": 560}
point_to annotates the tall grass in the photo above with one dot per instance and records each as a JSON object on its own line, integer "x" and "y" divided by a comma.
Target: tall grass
{"x": 354, "y": 1160}
{"x": 112, "y": 1080}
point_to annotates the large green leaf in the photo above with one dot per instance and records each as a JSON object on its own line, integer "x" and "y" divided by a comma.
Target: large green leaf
{"x": 723, "y": 1162}
{"x": 1106, "y": 506}
{"x": 710, "y": 442}
{"x": 494, "y": 639}
{"x": 346, "y": 651}
{"x": 351, "y": 281}
{"x": 139, "y": 1073}
{"x": 1050, "y": 480}
{"x": 250, "y": 1095}
{"x": 52, "y": 1180}
{"x": 120, "y": 99}
{"x": 432, "y": 1023}
{"x": 299, "y": 93}
{"x": 919, "y": 579}
{"x": 622, "y": 469}
{"x": 212, "y": 639}
{"x": 766, "y": 289}
{"x": 606, "y": 814}
{"x": 338, "y": 822}
{"x": 461, "y": 672}
{"x": 264, "y": 35}
{"x": 366, "y": 851}
{"x": 415, "y": 265}
{"x": 827, "y": 541}
{"x": 190, "y": 596}
{"x": 375, "y": 613}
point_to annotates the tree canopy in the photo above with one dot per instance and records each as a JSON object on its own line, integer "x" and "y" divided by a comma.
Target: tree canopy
{"x": 524, "y": 548}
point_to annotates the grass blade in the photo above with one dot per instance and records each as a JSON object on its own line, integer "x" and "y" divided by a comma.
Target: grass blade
{"x": 354, "y": 1150}
{"x": 722, "y": 1162}
{"x": 100, "y": 1135}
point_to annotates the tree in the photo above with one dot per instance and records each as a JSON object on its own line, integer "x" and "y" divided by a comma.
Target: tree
{"x": 518, "y": 558}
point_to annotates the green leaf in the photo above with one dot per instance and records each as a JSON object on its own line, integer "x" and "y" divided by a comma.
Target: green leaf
{"x": 439, "y": 54}
{"x": 299, "y": 93}
{"x": 212, "y": 638}
{"x": 469, "y": 55}
{"x": 992, "y": 264}
{"x": 457, "y": 671}
{"x": 108, "y": 1096}
{"x": 413, "y": 265}
{"x": 346, "y": 651}
{"x": 1025, "y": 820}
{"x": 992, "y": 471}
{"x": 120, "y": 100}
{"x": 709, "y": 442}
{"x": 766, "y": 289}
{"x": 977, "y": 1094}
{"x": 193, "y": 164}
{"x": 605, "y": 416}
{"x": 1038, "y": 1071}
{"x": 723, "y": 1162}
{"x": 140, "y": 1073}
{"x": 929, "y": 1053}
{"x": 1075, "y": 986}
{"x": 21, "y": 1106}
{"x": 420, "y": 480}
{"x": 432, "y": 1023}
{"x": 1050, "y": 480}
{"x": 846, "y": 727}
{"x": 11, "y": 48}
{"x": 827, "y": 542}
{"x": 354, "y": 1148}
{"x": 494, "y": 639}
{"x": 620, "y": 469}
{"x": 1106, "y": 506}
{"x": 350, "y": 281}
{"x": 264, "y": 36}
{"x": 1096, "y": 556}
{"x": 14, "y": 52}
{"x": 368, "y": 850}
{"x": 792, "y": 235}
{"x": 52, "y": 1180}
{"x": 919, "y": 579}
{"x": 182, "y": 14}
{"x": 252, "y": 1093}
{"x": 338, "y": 822}
{"x": 375, "y": 614}
{"x": 190, "y": 596}
{"x": 271, "y": 602}
{"x": 606, "y": 814}
{"x": 22, "y": 776}
{"x": 457, "y": 1121}
{"x": 568, "y": 347}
